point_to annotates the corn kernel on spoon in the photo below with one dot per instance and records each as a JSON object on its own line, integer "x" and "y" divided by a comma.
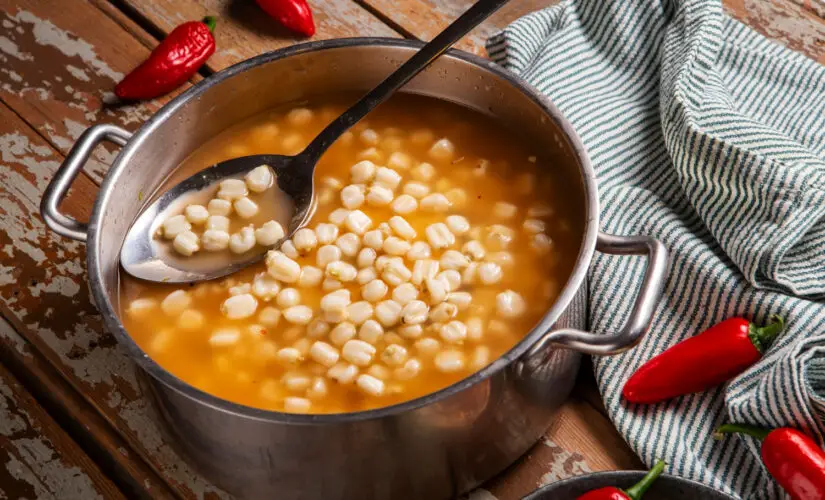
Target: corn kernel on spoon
{"x": 144, "y": 256}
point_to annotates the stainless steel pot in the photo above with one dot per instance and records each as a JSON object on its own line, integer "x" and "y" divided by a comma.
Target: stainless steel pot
{"x": 433, "y": 447}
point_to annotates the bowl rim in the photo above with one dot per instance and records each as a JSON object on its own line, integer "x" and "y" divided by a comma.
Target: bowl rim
{"x": 160, "y": 374}
{"x": 623, "y": 475}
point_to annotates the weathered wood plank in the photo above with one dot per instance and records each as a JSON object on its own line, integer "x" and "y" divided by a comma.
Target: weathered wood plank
{"x": 43, "y": 282}
{"x": 815, "y": 6}
{"x": 38, "y": 459}
{"x": 58, "y": 68}
{"x": 244, "y": 30}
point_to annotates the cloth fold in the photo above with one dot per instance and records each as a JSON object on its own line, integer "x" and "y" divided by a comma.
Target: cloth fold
{"x": 710, "y": 138}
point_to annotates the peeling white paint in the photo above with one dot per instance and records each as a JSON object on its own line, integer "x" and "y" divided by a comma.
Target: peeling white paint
{"x": 15, "y": 77}
{"x": 9, "y": 47}
{"x": 557, "y": 470}
{"x": 77, "y": 73}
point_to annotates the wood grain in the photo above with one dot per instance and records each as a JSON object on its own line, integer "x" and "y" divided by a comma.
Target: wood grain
{"x": 38, "y": 459}
{"x": 43, "y": 291}
{"x": 244, "y": 30}
{"x": 58, "y": 67}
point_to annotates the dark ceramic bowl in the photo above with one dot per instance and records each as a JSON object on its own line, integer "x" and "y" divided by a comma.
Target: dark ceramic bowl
{"x": 666, "y": 487}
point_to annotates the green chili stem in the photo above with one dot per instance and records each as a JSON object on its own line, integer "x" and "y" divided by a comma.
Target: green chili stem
{"x": 636, "y": 491}
{"x": 210, "y": 22}
{"x": 759, "y": 433}
{"x": 763, "y": 336}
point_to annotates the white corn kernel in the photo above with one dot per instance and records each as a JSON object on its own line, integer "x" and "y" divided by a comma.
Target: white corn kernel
{"x": 289, "y": 356}
{"x": 489, "y": 273}
{"x": 451, "y": 278}
{"x": 324, "y": 354}
{"x": 259, "y": 179}
{"x": 439, "y": 235}
{"x": 452, "y": 259}
{"x": 288, "y": 297}
{"x": 457, "y": 197}
{"x": 442, "y": 150}
{"x": 362, "y": 172}
{"x": 186, "y": 243}
{"x": 242, "y": 241}
{"x": 394, "y": 355}
{"x": 402, "y": 228}
{"x": 343, "y": 373}
{"x": 190, "y": 319}
{"x": 217, "y": 223}
{"x": 175, "y": 225}
{"x": 326, "y": 233}
{"x": 499, "y": 236}
{"x": 396, "y": 272}
{"x": 468, "y": 276}
{"x": 417, "y": 190}
{"x": 399, "y": 161}
{"x": 503, "y": 259}
{"x": 297, "y": 405}
{"x": 245, "y": 208}
{"x": 269, "y": 233}
{"x": 239, "y": 306}
{"x": 223, "y": 337}
{"x": 140, "y": 307}
{"x": 196, "y": 214}
{"x": 388, "y": 312}
{"x": 310, "y": 277}
{"x": 504, "y": 210}
{"x": 298, "y": 315}
{"x": 341, "y": 271}
{"x": 366, "y": 275}
{"x": 318, "y": 389}
{"x": 295, "y": 382}
{"x": 541, "y": 243}
{"x": 326, "y": 255}
{"x": 424, "y": 269}
{"x": 443, "y": 312}
{"x": 369, "y": 137}
{"x": 332, "y": 183}
{"x": 349, "y": 244}
{"x": 304, "y": 240}
{"x": 338, "y": 216}
{"x": 317, "y": 328}
{"x": 366, "y": 257}
{"x": 423, "y": 172}
{"x": 419, "y": 250}
{"x": 435, "y": 202}
{"x": 396, "y": 246}
{"x": 474, "y": 249}
{"x": 219, "y": 207}
{"x": 288, "y": 249}
{"x": 436, "y": 290}
{"x": 265, "y": 287}
{"x": 334, "y": 305}
{"x": 240, "y": 289}
{"x": 269, "y": 316}
{"x": 404, "y": 204}
{"x": 533, "y": 226}
{"x": 370, "y": 385}
{"x": 176, "y": 302}
{"x": 510, "y": 304}
{"x": 410, "y": 369}
{"x": 232, "y": 189}
{"x": 427, "y": 346}
{"x": 449, "y": 361}
{"x": 480, "y": 357}
{"x": 374, "y": 291}
{"x": 358, "y": 352}
{"x": 359, "y": 312}
{"x": 387, "y": 177}
{"x": 414, "y": 313}
{"x": 475, "y": 328}
{"x": 358, "y": 222}
{"x": 404, "y": 293}
{"x": 299, "y": 116}
{"x": 371, "y": 331}
{"x": 460, "y": 299}
{"x": 453, "y": 332}
{"x": 458, "y": 224}
{"x": 410, "y": 331}
{"x": 352, "y": 197}
{"x": 342, "y": 333}
{"x": 379, "y": 196}
{"x": 374, "y": 239}
{"x": 381, "y": 262}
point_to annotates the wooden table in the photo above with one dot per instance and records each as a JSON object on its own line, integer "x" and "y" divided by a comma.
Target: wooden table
{"x": 73, "y": 420}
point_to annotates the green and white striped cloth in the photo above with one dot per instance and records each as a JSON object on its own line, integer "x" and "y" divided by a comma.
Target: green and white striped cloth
{"x": 712, "y": 139}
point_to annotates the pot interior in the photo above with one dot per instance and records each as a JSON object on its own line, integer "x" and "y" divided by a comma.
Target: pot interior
{"x": 270, "y": 81}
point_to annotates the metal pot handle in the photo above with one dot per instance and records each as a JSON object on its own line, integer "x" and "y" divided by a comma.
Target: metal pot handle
{"x": 639, "y": 320}
{"x": 61, "y": 182}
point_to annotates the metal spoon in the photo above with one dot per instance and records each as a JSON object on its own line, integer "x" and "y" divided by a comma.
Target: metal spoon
{"x": 144, "y": 258}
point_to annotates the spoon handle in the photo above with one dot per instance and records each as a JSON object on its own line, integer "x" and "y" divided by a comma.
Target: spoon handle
{"x": 480, "y": 11}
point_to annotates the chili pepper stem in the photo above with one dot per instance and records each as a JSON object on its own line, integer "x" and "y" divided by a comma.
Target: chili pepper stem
{"x": 636, "y": 491}
{"x": 750, "y": 430}
{"x": 763, "y": 336}
{"x": 210, "y": 22}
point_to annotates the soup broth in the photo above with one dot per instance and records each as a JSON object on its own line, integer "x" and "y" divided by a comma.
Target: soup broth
{"x": 491, "y": 214}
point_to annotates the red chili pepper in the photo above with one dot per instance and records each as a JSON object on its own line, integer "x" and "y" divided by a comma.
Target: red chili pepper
{"x": 702, "y": 361}
{"x": 793, "y": 459}
{"x": 635, "y": 492}
{"x": 173, "y": 62}
{"x": 292, "y": 14}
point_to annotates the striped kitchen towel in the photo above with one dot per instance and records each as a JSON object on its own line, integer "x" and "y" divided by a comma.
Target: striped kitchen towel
{"x": 712, "y": 139}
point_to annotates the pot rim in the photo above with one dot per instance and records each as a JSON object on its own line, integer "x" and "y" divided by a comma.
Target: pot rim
{"x": 571, "y": 287}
